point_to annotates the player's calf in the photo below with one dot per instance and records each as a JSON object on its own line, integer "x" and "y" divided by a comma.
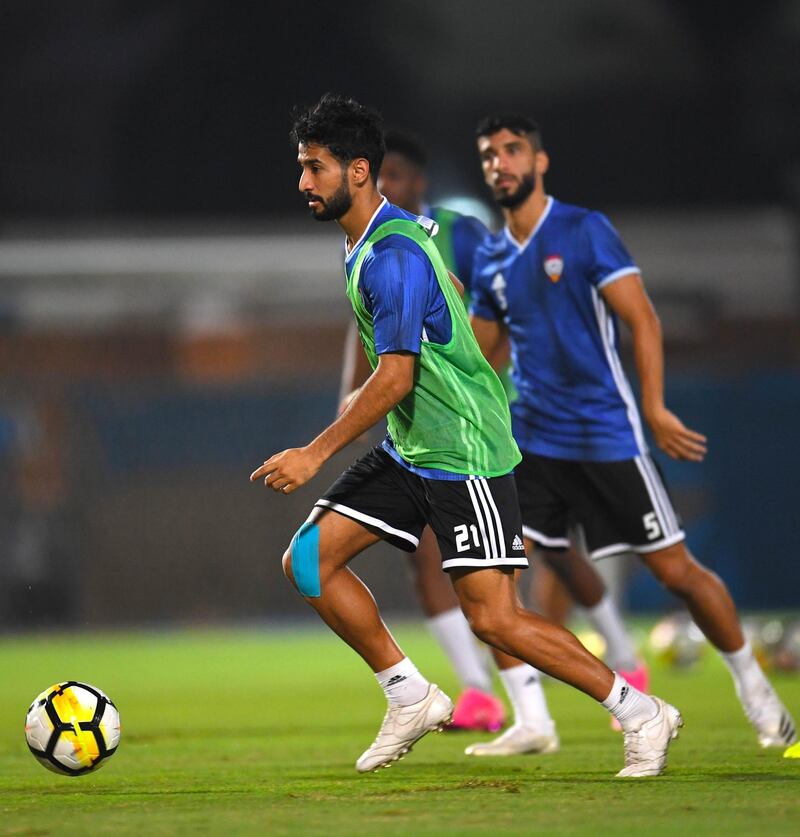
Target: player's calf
{"x": 704, "y": 593}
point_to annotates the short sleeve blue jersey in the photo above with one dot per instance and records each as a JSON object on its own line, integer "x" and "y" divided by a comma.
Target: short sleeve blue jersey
{"x": 399, "y": 288}
{"x": 574, "y": 399}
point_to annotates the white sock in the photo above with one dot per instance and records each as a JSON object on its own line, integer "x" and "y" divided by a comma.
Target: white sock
{"x": 746, "y": 672}
{"x": 453, "y": 633}
{"x": 524, "y": 690}
{"x": 606, "y": 619}
{"x": 402, "y": 683}
{"x": 628, "y": 705}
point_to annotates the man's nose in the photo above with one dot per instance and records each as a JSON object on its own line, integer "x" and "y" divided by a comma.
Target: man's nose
{"x": 500, "y": 164}
{"x": 305, "y": 184}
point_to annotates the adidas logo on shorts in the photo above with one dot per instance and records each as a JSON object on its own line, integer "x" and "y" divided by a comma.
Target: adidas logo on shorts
{"x": 517, "y": 544}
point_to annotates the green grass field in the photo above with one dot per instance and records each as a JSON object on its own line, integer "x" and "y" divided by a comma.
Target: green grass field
{"x": 257, "y": 731}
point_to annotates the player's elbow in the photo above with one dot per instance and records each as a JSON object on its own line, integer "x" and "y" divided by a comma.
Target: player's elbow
{"x": 397, "y": 385}
{"x": 401, "y": 387}
{"x": 653, "y": 319}
{"x": 395, "y": 376}
{"x": 646, "y": 321}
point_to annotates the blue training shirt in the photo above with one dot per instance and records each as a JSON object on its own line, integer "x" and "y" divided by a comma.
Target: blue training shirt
{"x": 399, "y": 288}
{"x": 468, "y": 233}
{"x": 574, "y": 399}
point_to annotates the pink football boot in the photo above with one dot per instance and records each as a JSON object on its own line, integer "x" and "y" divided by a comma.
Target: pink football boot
{"x": 477, "y": 711}
{"x": 639, "y": 678}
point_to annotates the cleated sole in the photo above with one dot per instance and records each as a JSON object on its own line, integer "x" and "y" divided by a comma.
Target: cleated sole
{"x": 403, "y": 753}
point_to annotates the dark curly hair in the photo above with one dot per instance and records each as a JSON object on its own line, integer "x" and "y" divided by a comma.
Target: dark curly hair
{"x": 347, "y": 129}
{"x": 517, "y": 123}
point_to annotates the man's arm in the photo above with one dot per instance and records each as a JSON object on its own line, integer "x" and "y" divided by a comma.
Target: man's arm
{"x": 492, "y": 337}
{"x": 355, "y": 367}
{"x": 627, "y": 298}
{"x": 391, "y": 381}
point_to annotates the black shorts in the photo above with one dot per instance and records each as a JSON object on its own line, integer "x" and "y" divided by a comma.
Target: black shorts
{"x": 623, "y": 506}
{"x": 476, "y": 521}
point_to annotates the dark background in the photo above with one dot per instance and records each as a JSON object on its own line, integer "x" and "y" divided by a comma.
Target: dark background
{"x": 182, "y": 106}
{"x": 169, "y": 316}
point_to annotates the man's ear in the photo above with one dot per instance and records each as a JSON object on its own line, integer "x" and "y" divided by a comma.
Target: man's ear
{"x": 359, "y": 171}
{"x": 542, "y": 162}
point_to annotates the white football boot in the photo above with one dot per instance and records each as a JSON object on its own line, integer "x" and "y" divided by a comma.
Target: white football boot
{"x": 403, "y": 726}
{"x": 769, "y": 716}
{"x": 646, "y": 747}
{"x": 516, "y": 741}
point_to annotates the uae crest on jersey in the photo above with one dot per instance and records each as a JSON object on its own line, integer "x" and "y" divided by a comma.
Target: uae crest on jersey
{"x": 554, "y": 267}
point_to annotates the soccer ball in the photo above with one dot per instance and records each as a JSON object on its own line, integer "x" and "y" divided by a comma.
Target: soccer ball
{"x": 775, "y": 642}
{"x": 677, "y": 641}
{"x": 787, "y": 655}
{"x": 72, "y": 728}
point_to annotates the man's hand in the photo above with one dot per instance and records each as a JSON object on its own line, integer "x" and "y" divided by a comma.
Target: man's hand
{"x": 674, "y": 438}
{"x": 286, "y": 471}
{"x": 391, "y": 381}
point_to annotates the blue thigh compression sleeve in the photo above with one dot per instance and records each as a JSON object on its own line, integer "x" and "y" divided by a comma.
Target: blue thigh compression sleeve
{"x": 305, "y": 560}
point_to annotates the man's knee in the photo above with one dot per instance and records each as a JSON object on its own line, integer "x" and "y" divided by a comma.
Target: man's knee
{"x": 301, "y": 561}
{"x": 558, "y": 560}
{"x": 674, "y": 567}
{"x": 286, "y": 563}
{"x": 486, "y": 623}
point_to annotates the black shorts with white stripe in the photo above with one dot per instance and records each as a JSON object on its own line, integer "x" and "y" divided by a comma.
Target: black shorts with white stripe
{"x": 623, "y": 506}
{"x": 476, "y": 520}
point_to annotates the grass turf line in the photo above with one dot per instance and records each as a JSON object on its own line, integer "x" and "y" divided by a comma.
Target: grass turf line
{"x": 257, "y": 731}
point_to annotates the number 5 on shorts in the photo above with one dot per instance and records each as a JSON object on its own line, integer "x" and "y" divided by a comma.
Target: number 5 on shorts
{"x": 652, "y": 526}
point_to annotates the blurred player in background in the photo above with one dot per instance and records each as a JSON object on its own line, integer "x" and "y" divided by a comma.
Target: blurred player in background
{"x": 446, "y": 462}
{"x": 553, "y": 283}
{"x": 403, "y": 181}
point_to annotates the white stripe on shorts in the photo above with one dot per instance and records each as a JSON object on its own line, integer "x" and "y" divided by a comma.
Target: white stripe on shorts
{"x": 661, "y": 490}
{"x": 375, "y": 522}
{"x": 479, "y": 517}
{"x": 501, "y": 541}
{"x": 541, "y": 539}
{"x": 520, "y": 563}
{"x": 487, "y": 515}
{"x": 655, "y": 490}
{"x": 642, "y": 549}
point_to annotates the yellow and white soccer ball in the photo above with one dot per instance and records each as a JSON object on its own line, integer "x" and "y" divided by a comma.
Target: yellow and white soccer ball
{"x": 787, "y": 654}
{"x": 72, "y": 728}
{"x": 677, "y": 641}
{"x": 775, "y": 641}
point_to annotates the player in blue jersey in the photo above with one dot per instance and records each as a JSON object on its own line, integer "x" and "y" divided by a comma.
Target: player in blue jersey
{"x": 446, "y": 463}
{"x": 554, "y": 283}
{"x": 403, "y": 181}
